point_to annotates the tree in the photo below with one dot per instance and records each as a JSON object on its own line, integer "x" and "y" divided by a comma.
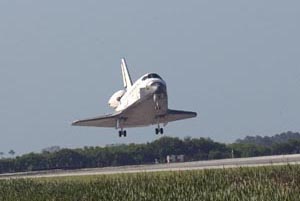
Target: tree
{"x": 12, "y": 152}
{"x": 51, "y": 149}
{"x": 67, "y": 159}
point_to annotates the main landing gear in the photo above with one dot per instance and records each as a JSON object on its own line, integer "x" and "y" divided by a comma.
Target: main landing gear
{"x": 120, "y": 125}
{"x": 122, "y": 133}
{"x": 159, "y": 130}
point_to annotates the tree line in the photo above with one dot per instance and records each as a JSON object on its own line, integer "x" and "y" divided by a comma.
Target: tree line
{"x": 193, "y": 149}
{"x": 270, "y": 140}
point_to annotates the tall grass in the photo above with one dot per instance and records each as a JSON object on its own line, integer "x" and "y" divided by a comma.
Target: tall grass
{"x": 263, "y": 183}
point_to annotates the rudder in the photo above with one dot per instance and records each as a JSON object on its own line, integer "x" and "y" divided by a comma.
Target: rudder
{"x": 125, "y": 74}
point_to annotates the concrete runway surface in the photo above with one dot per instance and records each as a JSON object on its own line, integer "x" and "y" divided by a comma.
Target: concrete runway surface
{"x": 197, "y": 165}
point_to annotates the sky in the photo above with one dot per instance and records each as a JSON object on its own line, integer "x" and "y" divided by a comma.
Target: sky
{"x": 236, "y": 63}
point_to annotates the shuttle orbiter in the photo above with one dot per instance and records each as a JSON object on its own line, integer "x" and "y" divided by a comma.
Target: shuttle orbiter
{"x": 142, "y": 103}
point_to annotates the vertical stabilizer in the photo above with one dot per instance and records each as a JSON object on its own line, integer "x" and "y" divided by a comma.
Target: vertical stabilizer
{"x": 125, "y": 73}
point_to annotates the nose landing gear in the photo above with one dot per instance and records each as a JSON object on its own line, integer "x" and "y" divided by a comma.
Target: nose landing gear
{"x": 156, "y": 99}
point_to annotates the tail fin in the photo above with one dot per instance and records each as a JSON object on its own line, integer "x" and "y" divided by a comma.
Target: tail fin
{"x": 125, "y": 73}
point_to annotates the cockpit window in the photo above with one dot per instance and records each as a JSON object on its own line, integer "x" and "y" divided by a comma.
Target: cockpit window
{"x": 151, "y": 75}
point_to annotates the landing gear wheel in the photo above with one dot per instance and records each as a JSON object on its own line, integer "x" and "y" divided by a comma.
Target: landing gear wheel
{"x": 159, "y": 130}
{"x": 122, "y": 133}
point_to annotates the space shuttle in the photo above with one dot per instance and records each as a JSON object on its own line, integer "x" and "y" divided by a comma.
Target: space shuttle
{"x": 138, "y": 104}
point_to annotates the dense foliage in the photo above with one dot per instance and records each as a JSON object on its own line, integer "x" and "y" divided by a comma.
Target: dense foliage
{"x": 239, "y": 184}
{"x": 270, "y": 140}
{"x": 117, "y": 155}
{"x": 134, "y": 154}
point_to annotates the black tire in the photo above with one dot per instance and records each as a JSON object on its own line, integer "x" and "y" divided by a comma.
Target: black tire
{"x": 124, "y": 133}
{"x": 161, "y": 131}
{"x": 156, "y": 131}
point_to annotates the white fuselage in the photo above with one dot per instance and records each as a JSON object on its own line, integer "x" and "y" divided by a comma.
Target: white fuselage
{"x": 150, "y": 90}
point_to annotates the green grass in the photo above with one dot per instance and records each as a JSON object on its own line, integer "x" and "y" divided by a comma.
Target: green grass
{"x": 262, "y": 183}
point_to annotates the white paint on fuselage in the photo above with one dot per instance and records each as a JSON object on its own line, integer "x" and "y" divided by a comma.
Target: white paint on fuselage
{"x": 140, "y": 91}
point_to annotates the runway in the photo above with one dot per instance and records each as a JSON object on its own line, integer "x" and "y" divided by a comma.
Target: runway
{"x": 197, "y": 165}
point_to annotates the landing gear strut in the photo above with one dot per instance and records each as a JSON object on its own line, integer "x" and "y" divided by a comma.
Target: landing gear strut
{"x": 157, "y": 107}
{"x": 156, "y": 98}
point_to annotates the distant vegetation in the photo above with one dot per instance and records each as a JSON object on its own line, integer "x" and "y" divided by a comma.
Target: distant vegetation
{"x": 133, "y": 154}
{"x": 117, "y": 155}
{"x": 262, "y": 183}
{"x": 269, "y": 141}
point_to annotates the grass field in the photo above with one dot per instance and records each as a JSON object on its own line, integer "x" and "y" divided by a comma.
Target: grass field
{"x": 262, "y": 183}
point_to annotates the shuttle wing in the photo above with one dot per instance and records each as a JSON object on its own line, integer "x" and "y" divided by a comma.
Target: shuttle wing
{"x": 174, "y": 115}
{"x": 134, "y": 118}
{"x": 101, "y": 121}
{"x": 133, "y": 115}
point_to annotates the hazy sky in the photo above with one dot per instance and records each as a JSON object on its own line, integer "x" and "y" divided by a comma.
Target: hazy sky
{"x": 236, "y": 63}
